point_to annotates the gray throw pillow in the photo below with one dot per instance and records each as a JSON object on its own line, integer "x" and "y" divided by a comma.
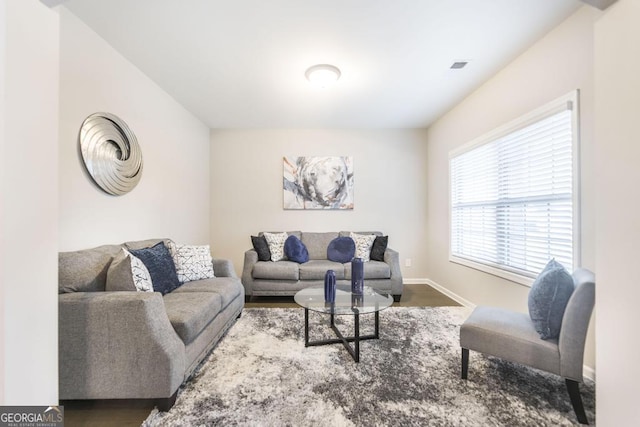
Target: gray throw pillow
{"x": 548, "y": 299}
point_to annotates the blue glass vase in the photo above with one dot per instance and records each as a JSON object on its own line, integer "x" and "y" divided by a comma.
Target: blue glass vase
{"x": 357, "y": 276}
{"x": 330, "y": 286}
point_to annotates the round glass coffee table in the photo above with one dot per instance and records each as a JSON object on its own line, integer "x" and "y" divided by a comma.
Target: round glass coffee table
{"x": 371, "y": 301}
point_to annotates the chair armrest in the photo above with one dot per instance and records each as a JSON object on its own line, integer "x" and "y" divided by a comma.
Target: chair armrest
{"x": 250, "y": 259}
{"x": 117, "y": 345}
{"x": 223, "y": 268}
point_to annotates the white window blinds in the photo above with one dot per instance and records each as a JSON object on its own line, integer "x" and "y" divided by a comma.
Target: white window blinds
{"x": 512, "y": 196}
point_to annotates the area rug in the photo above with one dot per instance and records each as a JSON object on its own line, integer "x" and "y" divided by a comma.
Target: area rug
{"x": 262, "y": 375}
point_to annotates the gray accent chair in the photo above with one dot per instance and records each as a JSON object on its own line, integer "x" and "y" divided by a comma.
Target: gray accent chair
{"x": 511, "y": 336}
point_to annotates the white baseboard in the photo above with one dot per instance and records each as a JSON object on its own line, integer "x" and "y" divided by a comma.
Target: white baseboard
{"x": 587, "y": 371}
{"x": 442, "y": 289}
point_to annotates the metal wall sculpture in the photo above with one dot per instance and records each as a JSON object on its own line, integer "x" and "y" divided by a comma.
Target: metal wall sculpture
{"x": 111, "y": 153}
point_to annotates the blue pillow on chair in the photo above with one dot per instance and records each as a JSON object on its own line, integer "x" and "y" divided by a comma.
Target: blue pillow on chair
{"x": 295, "y": 250}
{"x": 341, "y": 249}
{"x": 548, "y": 299}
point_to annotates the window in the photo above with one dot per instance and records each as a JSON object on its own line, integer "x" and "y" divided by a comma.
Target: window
{"x": 513, "y": 195}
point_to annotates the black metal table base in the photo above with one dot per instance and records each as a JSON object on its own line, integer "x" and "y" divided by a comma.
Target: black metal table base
{"x": 355, "y": 339}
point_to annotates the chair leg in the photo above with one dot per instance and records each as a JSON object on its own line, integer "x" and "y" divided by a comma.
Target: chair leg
{"x": 576, "y": 401}
{"x": 465, "y": 363}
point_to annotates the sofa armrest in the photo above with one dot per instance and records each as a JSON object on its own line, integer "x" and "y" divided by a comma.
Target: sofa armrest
{"x": 117, "y": 345}
{"x": 250, "y": 259}
{"x": 392, "y": 258}
{"x": 223, "y": 268}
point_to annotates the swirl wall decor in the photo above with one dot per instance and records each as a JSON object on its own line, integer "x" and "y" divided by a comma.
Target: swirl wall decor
{"x": 111, "y": 153}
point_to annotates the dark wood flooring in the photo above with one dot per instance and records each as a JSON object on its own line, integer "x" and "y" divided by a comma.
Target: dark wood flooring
{"x": 121, "y": 413}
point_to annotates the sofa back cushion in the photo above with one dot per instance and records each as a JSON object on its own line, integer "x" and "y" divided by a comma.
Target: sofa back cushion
{"x": 85, "y": 270}
{"x": 348, "y": 233}
{"x": 317, "y": 243}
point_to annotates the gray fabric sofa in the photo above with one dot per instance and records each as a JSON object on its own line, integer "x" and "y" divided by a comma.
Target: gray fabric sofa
{"x": 262, "y": 278}
{"x": 136, "y": 345}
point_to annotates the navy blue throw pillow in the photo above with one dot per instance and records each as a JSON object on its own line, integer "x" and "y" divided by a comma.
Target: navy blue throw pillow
{"x": 295, "y": 250}
{"x": 341, "y": 249}
{"x": 548, "y": 298}
{"x": 161, "y": 268}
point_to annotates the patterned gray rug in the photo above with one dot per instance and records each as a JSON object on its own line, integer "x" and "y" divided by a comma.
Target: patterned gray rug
{"x": 262, "y": 375}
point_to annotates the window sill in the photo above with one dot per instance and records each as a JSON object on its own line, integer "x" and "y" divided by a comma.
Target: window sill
{"x": 494, "y": 270}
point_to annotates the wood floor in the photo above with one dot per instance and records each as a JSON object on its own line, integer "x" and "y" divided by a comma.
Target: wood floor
{"x": 120, "y": 413}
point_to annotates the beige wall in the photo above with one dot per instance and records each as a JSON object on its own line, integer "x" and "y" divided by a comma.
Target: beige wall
{"x": 389, "y": 170}
{"x": 172, "y": 198}
{"x": 28, "y": 232}
{"x": 617, "y": 91}
{"x": 557, "y": 64}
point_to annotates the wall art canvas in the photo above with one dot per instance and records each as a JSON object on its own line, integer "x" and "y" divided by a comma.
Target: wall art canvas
{"x": 318, "y": 182}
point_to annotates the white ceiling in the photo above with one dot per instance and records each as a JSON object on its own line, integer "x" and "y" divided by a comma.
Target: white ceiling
{"x": 241, "y": 63}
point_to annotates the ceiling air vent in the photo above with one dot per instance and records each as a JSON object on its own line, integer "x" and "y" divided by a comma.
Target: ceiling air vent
{"x": 458, "y": 65}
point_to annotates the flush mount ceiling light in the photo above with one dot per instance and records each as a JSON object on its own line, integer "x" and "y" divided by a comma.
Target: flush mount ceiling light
{"x": 322, "y": 75}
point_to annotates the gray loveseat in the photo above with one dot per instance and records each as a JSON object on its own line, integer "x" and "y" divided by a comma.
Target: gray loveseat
{"x": 142, "y": 345}
{"x": 262, "y": 278}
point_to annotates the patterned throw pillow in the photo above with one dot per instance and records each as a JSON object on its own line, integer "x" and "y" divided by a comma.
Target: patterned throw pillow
{"x": 128, "y": 273}
{"x": 140, "y": 274}
{"x": 276, "y": 245}
{"x": 364, "y": 242}
{"x": 193, "y": 263}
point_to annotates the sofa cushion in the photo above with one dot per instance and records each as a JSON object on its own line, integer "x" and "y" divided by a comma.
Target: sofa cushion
{"x": 295, "y": 250}
{"x": 548, "y": 298}
{"x": 193, "y": 262}
{"x": 141, "y": 244}
{"x": 379, "y": 247}
{"x": 85, "y": 270}
{"x": 348, "y": 233}
{"x": 372, "y": 270}
{"x": 317, "y": 243}
{"x": 364, "y": 243}
{"x": 276, "y": 245}
{"x": 315, "y": 269}
{"x": 190, "y": 312}
{"x": 341, "y": 249}
{"x": 281, "y": 270}
{"x": 128, "y": 273}
{"x": 229, "y": 288}
{"x": 160, "y": 264}
{"x": 261, "y": 247}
